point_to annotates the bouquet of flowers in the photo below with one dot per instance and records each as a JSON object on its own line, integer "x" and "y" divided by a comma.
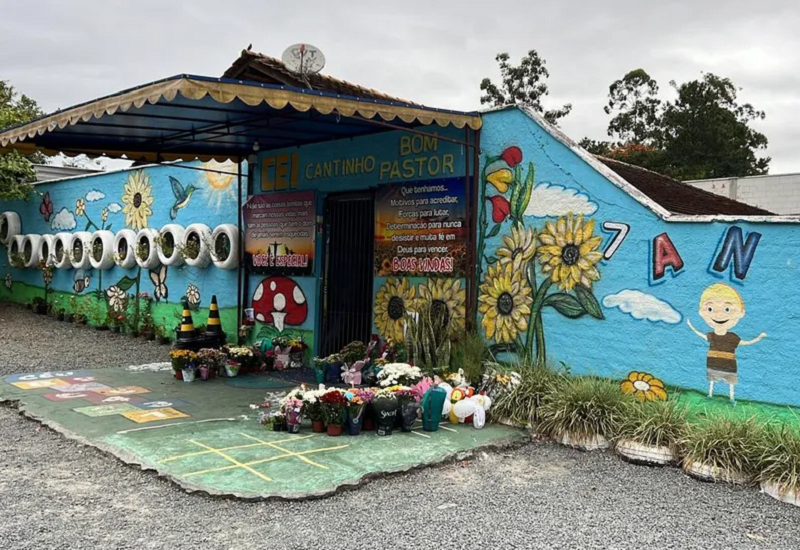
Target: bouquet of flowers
{"x": 182, "y": 358}
{"x": 404, "y": 394}
{"x": 354, "y": 351}
{"x": 298, "y": 345}
{"x": 312, "y": 405}
{"x": 402, "y": 374}
{"x": 240, "y": 354}
{"x": 392, "y": 351}
{"x": 211, "y": 360}
{"x": 293, "y": 411}
{"x": 333, "y": 404}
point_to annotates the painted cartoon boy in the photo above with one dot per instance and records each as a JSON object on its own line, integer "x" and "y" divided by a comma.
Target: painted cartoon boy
{"x": 721, "y": 307}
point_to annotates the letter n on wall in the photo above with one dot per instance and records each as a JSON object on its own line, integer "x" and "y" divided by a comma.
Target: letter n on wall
{"x": 664, "y": 256}
{"x": 735, "y": 247}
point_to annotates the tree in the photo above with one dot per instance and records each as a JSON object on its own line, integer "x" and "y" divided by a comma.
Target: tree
{"x": 707, "y": 133}
{"x": 16, "y": 171}
{"x": 638, "y": 109}
{"x": 524, "y": 84}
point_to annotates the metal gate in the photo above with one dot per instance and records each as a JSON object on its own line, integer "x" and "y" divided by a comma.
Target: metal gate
{"x": 348, "y": 270}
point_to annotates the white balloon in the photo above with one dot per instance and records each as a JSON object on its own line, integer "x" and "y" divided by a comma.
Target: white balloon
{"x": 447, "y": 406}
{"x": 464, "y": 408}
{"x": 483, "y": 401}
{"x": 479, "y": 420}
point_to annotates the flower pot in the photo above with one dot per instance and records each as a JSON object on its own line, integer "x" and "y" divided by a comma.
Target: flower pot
{"x": 354, "y": 422}
{"x": 293, "y": 428}
{"x": 231, "y": 370}
{"x": 319, "y": 376}
{"x": 318, "y": 426}
{"x": 335, "y": 430}
{"x": 648, "y": 455}
{"x": 164, "y": 340}
{"x": 707, "y": 472}
{"x": 188, "y": 375}
{"x": 432, "y": 407}
{"x": 777, "y": 492}
{"x": 583, "y": 442}
{"x": 116, "y": 330}
{"x": 69, "y": 317}
{"x": 408, "y": 415}
{"x": 178, "y": 374}
{"x": 203, "y": 373}
{"x": 386, "y": 414}
{"x": 60, "y": 316}
{"x": 333, "y": 373}
{"x": 296, "y": 359}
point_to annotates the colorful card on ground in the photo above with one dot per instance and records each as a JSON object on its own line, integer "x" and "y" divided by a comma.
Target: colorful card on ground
{"x": 39, "y": 384}
{"x": 82, "y": 388}
{"x": 66, "y": 396}
{"x": 28, "y": 377}
{"x": 106, "y": 410}
{"x": 100, "y": 399}
{"x": 163, "y": 403}
{"x": 142, "y": 416}
{"x": 124, "y": 390}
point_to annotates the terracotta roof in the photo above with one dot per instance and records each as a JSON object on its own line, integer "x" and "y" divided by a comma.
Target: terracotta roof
{"x": 678, "y": 197}
{"x": 268, "y": 70}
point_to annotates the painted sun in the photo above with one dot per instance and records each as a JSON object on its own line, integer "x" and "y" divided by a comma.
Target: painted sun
{"x": 220, "y": 188}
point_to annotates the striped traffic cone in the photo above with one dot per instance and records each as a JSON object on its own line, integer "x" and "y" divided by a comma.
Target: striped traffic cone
{"x": 214, "y": 330}
{"x": 186, "y": 330}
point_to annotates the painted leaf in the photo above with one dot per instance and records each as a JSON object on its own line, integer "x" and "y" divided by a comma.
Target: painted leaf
{"x": 88, "y": 226}
{"x": 494, "y": 349}
{"x": 565, "y": 304}
{"x": 492, "y": 260}
{"x": 109, "y": 227}
{"x": 494, "y": 231}
{"x": 589, "y": 302}
{"x": 125, "y": 283}
{"x": 525, "y": 195}
{"x": 515, "y": 192}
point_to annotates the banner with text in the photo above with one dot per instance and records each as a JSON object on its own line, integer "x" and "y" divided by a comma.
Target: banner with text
{"x": 421, "y": 229}
{"x": 279, "y": 233}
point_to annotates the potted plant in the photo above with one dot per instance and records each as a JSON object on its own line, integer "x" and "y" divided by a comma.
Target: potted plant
{"x": 333, "y": 364}
{"x": 385, "y": 405}
{"x": 39, "y": 306}
{"x": 162, "y": 332}
{"x": 313, "y": 409}
{"x": 584, "y": 412}
{"x": 116, "y": 320}
{"x": 181, "y": 358}
{"x": 651, "y": 433}
{"x": 236, "y": 356}
{"x": 293, "y": 411}
{"x": 722, "y": 448}
{"x": 408, "y": 408}
{"x": 368, "y": 417}
{"x": 399, "y": 374}
{"x": 60, "y": 313}
{"x": 355, "y": 413}
{"x": 779, "y": 464}
{"x": 208, "y": 362}
{"x": 333, "y": 403}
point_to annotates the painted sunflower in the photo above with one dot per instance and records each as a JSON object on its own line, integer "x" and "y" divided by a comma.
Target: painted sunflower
{"x": 569, "y": 252}
{"x": 137, "y": 198}
{"x": 505, "y": 302}
{"x": 518, "y": 248}
{"x": 445, "y": 295}
{"x": 393, "y": 300}
{"x": 644, "y": 387}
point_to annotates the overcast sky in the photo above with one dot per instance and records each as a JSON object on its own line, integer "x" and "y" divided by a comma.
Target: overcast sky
{"x": 433, "y": 52}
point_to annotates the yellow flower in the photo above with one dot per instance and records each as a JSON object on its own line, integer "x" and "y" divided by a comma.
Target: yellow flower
{"x": 445, "y": 295}
{"x": 644, "y": 387}
{"x": 104, "y": 214}
{"x": 500, "y": 179}
{"x": 393, "y": 300}
{"x": 505, "y": 302}
{"x": 138, "y": 199}
{"x": 518, "y": 248}
{"x": 80, "y": 207}
{"x": 568, "y": 252}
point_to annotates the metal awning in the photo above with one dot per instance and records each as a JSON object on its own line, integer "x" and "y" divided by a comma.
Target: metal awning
{"x": 188, "y": 116}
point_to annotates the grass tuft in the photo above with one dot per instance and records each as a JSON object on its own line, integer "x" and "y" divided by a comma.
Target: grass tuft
{"x": 522, "y": 403}
{"x": 779, "y": 461}
{"x": 655, "y": 423}
{"x": 728, "y": 443}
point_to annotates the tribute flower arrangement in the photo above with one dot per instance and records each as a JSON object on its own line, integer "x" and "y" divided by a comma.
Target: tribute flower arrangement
{"x": 402, "y": 374}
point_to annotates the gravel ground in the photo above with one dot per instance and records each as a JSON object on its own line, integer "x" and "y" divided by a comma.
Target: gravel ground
{"x": 56, "y": 494}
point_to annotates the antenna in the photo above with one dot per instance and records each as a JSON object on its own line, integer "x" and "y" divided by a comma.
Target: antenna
{"x": 303, "y": 59}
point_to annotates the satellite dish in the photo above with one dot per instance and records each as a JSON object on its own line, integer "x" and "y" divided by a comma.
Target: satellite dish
{"x": 303, "y": 59}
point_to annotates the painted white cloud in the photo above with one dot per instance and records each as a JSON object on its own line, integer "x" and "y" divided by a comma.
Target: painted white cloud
{"x": 94, "y": 195}
{"x": 63, "y": 221}
{"x": 114, "y": 207}
{"x": 555, "y": 200}
{"x": 643, "y": 306}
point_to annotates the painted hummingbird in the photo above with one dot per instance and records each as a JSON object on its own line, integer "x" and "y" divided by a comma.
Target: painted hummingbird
{"x": 182, "y": 196}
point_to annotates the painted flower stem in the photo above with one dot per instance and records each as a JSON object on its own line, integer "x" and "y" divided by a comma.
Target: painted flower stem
{"x": 535, "y": 326}
{"x": 482, "y": 224}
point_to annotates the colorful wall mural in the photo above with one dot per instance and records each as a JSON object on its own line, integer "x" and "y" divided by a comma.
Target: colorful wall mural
{"x": 115, "y": 206}
{"x": 576, "y": 270}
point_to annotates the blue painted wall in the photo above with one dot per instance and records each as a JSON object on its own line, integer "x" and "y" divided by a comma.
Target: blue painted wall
{"x": 644, "y": 325}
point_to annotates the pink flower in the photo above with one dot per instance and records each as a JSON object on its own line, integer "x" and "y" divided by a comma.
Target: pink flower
{"x": 501, "y": 208}
{"x": 512, "y": 156}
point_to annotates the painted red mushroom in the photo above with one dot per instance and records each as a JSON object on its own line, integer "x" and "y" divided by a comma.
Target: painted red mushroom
{"x": 280, "y": 301}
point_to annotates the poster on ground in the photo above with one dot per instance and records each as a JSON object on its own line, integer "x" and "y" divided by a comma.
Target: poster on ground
{"x": 421, "y": 229}
{"x": 279, "y": 233}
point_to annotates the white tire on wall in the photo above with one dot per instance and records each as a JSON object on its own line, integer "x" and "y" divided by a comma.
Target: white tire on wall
{"x": 10, "y": 227}
{"x": 105, "y": 240}
{"x": 124, "y": 248}
{"x": 30, "y": 249}
{"x": 171, "y": 235}
{"x": 200, "y": 233}
{"x": 225, "y": 239}
{"x": 79, "y": 249}
{"x": 147, "y": 237}
{"x": 14, "y": 247}
{"x": 46, "y": 250}
{"x": 61, "y": 242}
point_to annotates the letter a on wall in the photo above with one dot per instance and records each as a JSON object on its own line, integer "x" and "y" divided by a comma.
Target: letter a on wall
{"x": 736, "y": 248}
{"x": 664, "y": 256}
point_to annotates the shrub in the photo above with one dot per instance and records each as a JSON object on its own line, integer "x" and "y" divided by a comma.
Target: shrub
{"x": 584, "y": 406}
{"x": 726, "y": 443}
{"x": 522, "y": 403}
{"x": 779, "y": 460}
{"x": 655, "y": 423}
{"x": 470, "y": 353}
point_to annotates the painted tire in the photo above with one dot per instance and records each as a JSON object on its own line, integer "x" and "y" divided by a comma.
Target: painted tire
{"x": 106, "y": 239}
{"x": 62, "y": 240}
{"x": 31, "y": 242}
{"x": 126, "y": 238}
{"x": 46, "y": 250}
{"x": 173, "y": 232}
{"x": 147, "y": 236}
{"x": 10, "y": 225}
{"x": 231, "y": 233}
{"x": 204, "y": 235}
{"x": 14, "y": 246}
{"x": 83, "y": 239}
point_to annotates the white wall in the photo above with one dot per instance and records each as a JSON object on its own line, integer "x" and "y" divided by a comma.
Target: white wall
{"x": 780, "y": 194}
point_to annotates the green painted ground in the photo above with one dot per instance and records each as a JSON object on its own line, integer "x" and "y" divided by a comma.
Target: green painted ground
{"x": 700, "y": 406}
{"x": 205, "y": 436}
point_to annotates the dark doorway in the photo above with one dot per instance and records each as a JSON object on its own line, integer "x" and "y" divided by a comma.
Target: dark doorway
{"x": 348, "y": 270}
